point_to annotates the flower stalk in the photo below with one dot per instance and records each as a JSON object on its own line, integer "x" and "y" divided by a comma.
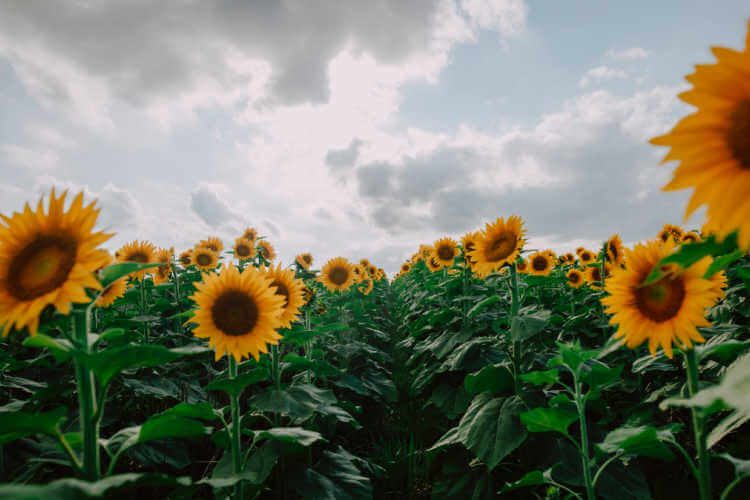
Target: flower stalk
{"x": 699, "y": 431}
{"x": 236, "y": 431}
{"x": 87, "y": 402}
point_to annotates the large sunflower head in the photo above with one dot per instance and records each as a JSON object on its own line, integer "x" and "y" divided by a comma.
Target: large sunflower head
{"x": 250, "y": 234}
{"x": 238, "y": 312}
{"x": 445, "y": 251}
{"x": 662, "y": 313}
{"x": 713, "y": 144}
{"x": 289, "y": 287}
{"x": 575, "y": 278}
{"x": 266, "y": 250}
{"x": 112, "y": 292}
{"x": 615, "y": 251}
{"x": 205, "y": 259}
{"x": 541, "y": 263}
{"x": 186, "y": 258}
{"x": 48, "y": 259}
{"x": 142, "y": 252}
{"x": 337, "y": 274}
{"x": 244, "y": 249}
{"x": 499, "y": 243}
{"x": 164, "y": 271}
{"x": 586, "y": 257}
{"x": 212, "y": 243}
{"x": 304, "y": 260}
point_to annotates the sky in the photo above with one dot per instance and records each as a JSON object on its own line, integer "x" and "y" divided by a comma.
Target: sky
{"x": 359, "y": 128}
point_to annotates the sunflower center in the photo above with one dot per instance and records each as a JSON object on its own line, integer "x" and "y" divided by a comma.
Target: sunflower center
{"x": 501, "y": 247}
{"x": 338, "y": 275}
{"x": 281, "y": 289}
{"x": 445, "y": 252}
{"x": 243, "y": 250}
{"x": 586, "y": 257}
{"x": 539, "y": 264}
{"x": 234, "y": 313}
{"x": 574, "y": 277}
{"x": 662, "y": 300}
{"x": 264, "y": 252}
{"x": 738, "y": 135}
{"x": 138, "y": 257}
{"x": 404, "y": 268}
{"x": 307, "y": 259}
{"x": 203, "y": 260}
{"x": 42, "y": 266}
{"x": 596, "y": 273}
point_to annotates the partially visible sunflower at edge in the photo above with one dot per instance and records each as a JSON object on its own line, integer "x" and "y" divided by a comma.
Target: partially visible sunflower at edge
{"x": 712, "y": 145}
{"x": 142, "y": 252}
{"x": 164, "y": 271}
{"x": 291, "y": 289}
{"x": 615, "y": 250}
{"x": 663, "y": 313}
{"x": 48, "y": 259}
{"x": 499, "y": 243}
{"x": 337, "y": 274}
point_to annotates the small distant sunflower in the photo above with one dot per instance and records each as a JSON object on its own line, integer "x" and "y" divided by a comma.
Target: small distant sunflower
{"x": 308, "y": 294}
{"x": 540, "y": 264}
{"x": 662, "y": 313}
{"x": 186, "y": 258}
{"x": 304, "y": 260}
{"x": 244, "y": 249}
{"x": 164, "y": 271}
{"x": 522, "y": 266}
{"x": 291, "y": 289}
{"x": 665, "y": 235}
{"x": 499, "y": 243}
{"x": 48, "y": 259}
{"x": 690, "y": 237}
{"x": 579, "y": 250}
{"x": 615, "y": 250}
{"x": 250, "y": 234}
{"x": 445, "y": 251}
{"x": 593, "y": 275}
{"x": 360, "y": 273}
{"x": 570, "y": 258}
{"x": 212, "y": 243}
{"x": 364, "y": 263}
{"x": 337, "y": 274}
{"x": 205, "y": 259}
{"x": 575, "y": 278}
{"x": 372, "y": 270}
{"x": 366, "y": 288}
{"x": 114, "y": 291}
{"x": 265, "y": 249}
{"x": 405, "y": 267}
{"x": 238, "y": 312}
{"x": 468, "y": 243}
{"x": 142, "y": 252}
{"x": 551, "y": 254}
{"x": 425, "y": 251}
{"x": 586, "y": 257}
{"x": 433, "y": 264}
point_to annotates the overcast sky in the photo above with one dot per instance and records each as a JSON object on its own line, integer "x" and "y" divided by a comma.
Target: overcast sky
{"x": 358, "y": 128}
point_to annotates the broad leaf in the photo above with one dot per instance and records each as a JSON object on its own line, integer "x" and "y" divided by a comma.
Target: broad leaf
{"x": 496, "y": 379}
{"x": 549, "y": 419}
{"x": 643, "y": 441}
{"x": 235, "y": 386}
{"x": 18, "y": 424}
{"x": 112, "y": 273}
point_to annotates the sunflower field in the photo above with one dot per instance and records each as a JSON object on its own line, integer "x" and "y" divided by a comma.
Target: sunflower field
{"x": 484, "y": 368}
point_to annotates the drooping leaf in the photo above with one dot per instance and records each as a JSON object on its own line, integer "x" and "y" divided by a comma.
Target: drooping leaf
{"x": 113, "y": 272}
{"x": 235, "y": 386}
{"x": 541, "y": 377}
{"x": 549, "y": 419}
{"x": 296, "y": 435}
{"x": 643, "y": 441}
{"x": 17, "y": 424}
{"x": 497, "y": 379}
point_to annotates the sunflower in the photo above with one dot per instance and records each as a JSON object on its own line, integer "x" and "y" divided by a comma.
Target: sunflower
{"x": 522, "y": 266}
{"x": 304, "y": 260}
{"x": 186, "y": 258}
{"x": 367, "y": 288}
{"x": 213, "y": 243}
{"x": 360, "y": 273}
{"x": 163, "y": 272}
{"x": 615, "y": 252}
{"x": 499, "y": 243}
{"x": 433, "y": 264}
{"x": 570, "y": 258}
{"x": 593, "y": 275}
{"x": 690, "y": 237}
{"x": 308, "y": 294}
{"x": 579, "y": 250}
{"x": 575, "y": 278}
{"x": 713, "y": 144}
{"x": 364, "y": 263}
{"x": 405, "y": 267}
{"x": 244, "y": 249}
{"x": 468, "y": 243}
{"x": 250, "y": 234}
{"x": 205, "y": 259}
{"x": 540, "y": 264}
{"x": 48, "y": 259}
{"x": 337, "y": 274}
{"x": 142, "y": 252}
{"x": 586, "y": 257}
{"x": 663, "y": 312}
{"x": 372, "y": 270}
{"x": 114, "y": 291}
{"x": 265, "y": 249}
{"x": 291, "y": 289}
{"x": 445, "y": 251}
{"x": 238, "y": 312}
{"x": 719, "y": 282}
{"x": 676, "y": 231}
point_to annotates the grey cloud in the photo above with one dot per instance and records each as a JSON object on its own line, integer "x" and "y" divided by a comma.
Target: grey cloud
{"x": 339, "y": 159}
{"x": 210, "y": 207}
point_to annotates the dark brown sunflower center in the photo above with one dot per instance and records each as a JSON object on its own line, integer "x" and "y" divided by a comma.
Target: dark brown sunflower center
{"x": 242, "y": 250}
{"x": 539, "y": 263}
{"x": 662, "y": 300}
{"x": 42, "y": 266}
{"x": 307, "y": 259}
{"x": 738, "y": 135}
{"x": 574, "y": 278}
{"x": 469, "y": 247}
{"x": 338, "y": 275}
{"x": 586, "y": 257}
{"x": 264, "y": 252}
{"x": 405, "y": 268}
{"x": 690, "y": 237}
{"x": 281, "y": 289}
{"x": 234, "y": 313}
{"x": 445, "y": 252}
{"x": 137, "y": 257}
{"x": 501, "y": 247}
{"x": 203, "y": 259}
{"x": 596, "y": 273}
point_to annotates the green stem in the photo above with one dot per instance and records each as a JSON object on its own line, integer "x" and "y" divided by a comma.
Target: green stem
{"x": 730, "y": 486}
{"x": 603, "y": 466}
{"x": 704, "y": 472}
{"x": 514, "y": 306}
{"x": 308, "y": 345}
{"x": 86, "y": 397}
{"x": 68, "y": 451}
{"x": 142, "y": 288}
{"x": 236, "y": 431}
{"x": 585, "y": 459}
{"x": 176, "y": 278}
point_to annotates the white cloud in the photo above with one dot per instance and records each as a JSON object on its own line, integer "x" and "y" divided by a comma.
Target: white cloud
{"x": 600, "y": 73}
{"x": 630, "y": 54}
{"x": 27, "y": 158}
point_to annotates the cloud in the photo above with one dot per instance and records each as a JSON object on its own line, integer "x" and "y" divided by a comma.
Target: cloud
{"x": 27, "y": 158}
{"x": 630, "y": 54}
{"x": 600, "y": 73}
{"x": 507, "y": 17}
{"x": 343, "y": 158}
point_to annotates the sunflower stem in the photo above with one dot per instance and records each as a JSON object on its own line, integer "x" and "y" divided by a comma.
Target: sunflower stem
{"x": 514, "y": 306}
{"x": 704, "y": 472}
{"x": 142, "y": 289}
{"x": 176, "y": 278}
{"x": 585, "y": 459}
{"x": 86, "y": 396}
{"x": 236, "y": 450}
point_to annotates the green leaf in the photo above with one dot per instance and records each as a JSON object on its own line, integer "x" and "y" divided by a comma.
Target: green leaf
{"x": 642, "y": 441}
{"x": 18, "y": 424}
{"x": 729, "y": 424}
{"x": 112, "y": 273}
{"x": 170, "y": 424}
{"x": 203, "y": 411}
{"x": 60, "y": 348}
{"x": 723, "y": 262}
{"x": 722, "y": 352}
{"x": 690, "y": 253}
{"x": 526, "y": 326}
{"x": 532, "y": 478}
{"x": 296, "y": 435}
{"x": 497, "y": 379}
{"x": 549, "y": 419}
{"x": 70, "y": 489}
{"x": 600, "y": 376}
{"x": 541, "y": 377}
{"x": 493, "y": 299}
{"x": 235, "y": 386}
{"x": 184, "y": 314}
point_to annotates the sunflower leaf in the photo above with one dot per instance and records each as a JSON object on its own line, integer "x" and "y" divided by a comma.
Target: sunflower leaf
{"x": 17, "y": 424}
{"x": 235, "y": 386}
